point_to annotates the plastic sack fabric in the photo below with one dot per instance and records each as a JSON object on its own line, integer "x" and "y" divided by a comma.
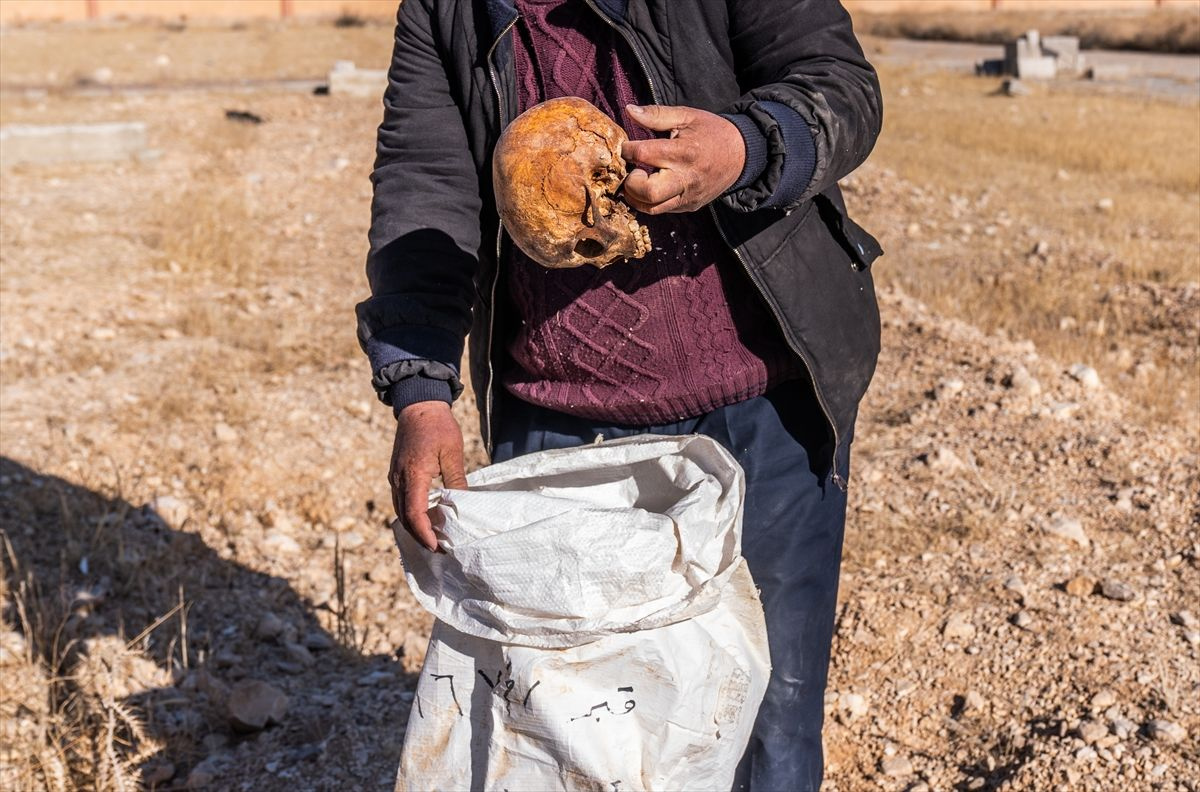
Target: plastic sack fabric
{"x": 597, "y": 628}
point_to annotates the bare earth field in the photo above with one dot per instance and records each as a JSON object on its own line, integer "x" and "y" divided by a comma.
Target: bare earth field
{"x": 193, "y": 502}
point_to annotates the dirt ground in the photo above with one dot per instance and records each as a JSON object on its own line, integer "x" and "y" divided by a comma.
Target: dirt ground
{"x": 192, "y": 462}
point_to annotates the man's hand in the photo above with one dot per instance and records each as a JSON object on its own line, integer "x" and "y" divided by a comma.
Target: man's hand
{"x": 701, "y": 160}
{"x": 429, "y": 443}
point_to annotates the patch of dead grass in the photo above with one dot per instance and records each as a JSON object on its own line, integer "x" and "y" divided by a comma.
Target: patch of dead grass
{"x": 1159, "y": 30}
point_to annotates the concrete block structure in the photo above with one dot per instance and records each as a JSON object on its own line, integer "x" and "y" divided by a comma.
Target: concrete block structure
{"x": 48, "y": 144}
{"x": 345, "y": 79}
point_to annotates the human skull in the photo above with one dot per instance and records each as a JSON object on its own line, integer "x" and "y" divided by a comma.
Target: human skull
{"x": 556, "y": 172}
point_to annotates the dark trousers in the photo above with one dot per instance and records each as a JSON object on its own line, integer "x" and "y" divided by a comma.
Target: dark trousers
{"x": 792, "y": 541}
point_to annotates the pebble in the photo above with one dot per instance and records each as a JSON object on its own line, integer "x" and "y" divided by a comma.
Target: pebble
{"x": 280, "y": 543}
{"x": 852, "y": 705}
{"x": 1085, "y": 375}
{"x": 1022, "y": 619}
{"x": 1080, "y": 586}
{"x": 1166, "y": 731}
{"x": 896, "y": 766}
{"x": 102, "y": 334}
{"x": 1192, "y": 637}
{"x": 1023, "y": 382}
{"x": 1091, "y": 731}
{"x": 1123, "y": 728}
{"x": 945, "y": 460}
{"x": 1116, "y": 590}
{"x": 1185, "y": 618}
{"x": 1067, "y": 528}
{"x": 375, "y": 678}
{"x": 269, "y": 626}
{"x": 319, "y": 641}
{"x": 1085, "y": 754}
{"x": 958, "y": 628}
{"x": 948, "y": 388}
{"x": 1103, "y": 699}
{"x": 298, "y": 653}
{"x": 224, "y": 433}
{"x": 253, "y": 705}
{"x": 359, "y": 409}
{"x": 1105, "y": 204}
{"x": 174, "y": 511}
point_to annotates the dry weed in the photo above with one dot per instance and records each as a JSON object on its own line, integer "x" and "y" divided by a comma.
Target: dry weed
{"x": 1162, "y": 30}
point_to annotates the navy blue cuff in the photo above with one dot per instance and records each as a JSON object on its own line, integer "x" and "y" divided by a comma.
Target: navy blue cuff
{"x": 418, "y": 389}
{"x": 800, "y": 154}
{"x": 756, "y": 150}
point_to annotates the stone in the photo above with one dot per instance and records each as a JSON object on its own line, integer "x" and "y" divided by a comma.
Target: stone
{"x": 158, "y": 774}
{"x": 1166, "y": 731}
{"x": 1116, "y": 590}
{"x": 1085, "y": 375}
{"x": 1085, "y": 754}
{"x": 253, "y": 705}
{"x": 1192, "y": 637}
{"x": 375, "y": 678}
{"x": 949, "y": 388}
{"x": 896, "y": 766}
{"x": 269, "y": 626}
{"x": 174, "y": 511}
{"x": 319, "y": 641}
{"x": 1014, "y": 87}
{"x": 1185, "y": 618}
{"x": 1022, "y": 619}
{"x": 1103, "y": 699}
{"x": 1080, "y": 586}
{"x": 224, "y": 433}
{"x": 958, "y": 628}
{"x": 1067, "y": 528}
{"x": 852, "y": 706}
{"x": 280, "y": 543}
{"x": 1104, "y": 205}
{"x": 1123, "y": 728}
{"x": 57, "y": 143}
{"x": 1021, "y": 381}
{"x": 945, "y": 461}
{"x": 298, "y": 653}
{"x": 1091, "y": 731}
{"x": 974, "y": 702}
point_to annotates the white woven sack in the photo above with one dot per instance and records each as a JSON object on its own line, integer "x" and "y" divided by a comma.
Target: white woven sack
{"x": 597, "y": 628}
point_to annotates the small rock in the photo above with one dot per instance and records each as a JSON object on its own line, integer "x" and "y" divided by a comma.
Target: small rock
{"x": 359, "y": 409}
{"x": 254, "y": 705}
{"x": 1166, "y": 731}
{"x": 1123, "y": 728}
{"x": 974, "y": 702}
{"x": 1192, "y": 637}
{"x": 1021, "y": 381}
{"x": 224, "y": 433}
{"x": 280, "y": 543}
{"x": 1080, "y": 586}
{"x": 1085, "y": 375}
{"x": 896, "y": 766}
{"x": 1116, "y": 590}
{"x": 913, "y": 230}
{"x": 101, "y": 76}
{"x": 200, "y": 777}
{"x": 102, "y": 334}
{"x": 1090, "y": 731}
{"x": 158, "y": 774}
{"x": 1103, "y": 700}
{"x": 269, "y": 626}
{"x": 1185, "y": 618}
{"x": 351, "y": 540}
{"x": 958, "y": 628}
{"x": 1022, "y": 619}
{"x": 944, "y": 460}
{"x": 1041, "y": 248}
{"x": 298, "y": 653}
{"x": 174, "y": 511}
{"x": 1014, "y": 87}
{"x": 319, "y": 641}
{"x": 852, "y": 706}
{"x": 1063, "y": 411}
{"x": 375, "y": 678}
{"x": 1067, "y": 528}
{"x": 1016, "y": 585}
{"x": 1085, "y": 754}
{"x": 948, "y": 388}
{"x": 1105, "y": 204}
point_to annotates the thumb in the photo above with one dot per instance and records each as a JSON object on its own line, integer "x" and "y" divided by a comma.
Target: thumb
{"x": 660, "y": 118}
{"x": 453, "y": 472}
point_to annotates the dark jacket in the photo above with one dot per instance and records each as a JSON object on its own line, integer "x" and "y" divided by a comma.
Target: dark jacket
{"x": 790, "y": 74}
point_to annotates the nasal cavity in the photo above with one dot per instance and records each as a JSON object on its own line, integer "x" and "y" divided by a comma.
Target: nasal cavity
{"x": 589, "y": 248}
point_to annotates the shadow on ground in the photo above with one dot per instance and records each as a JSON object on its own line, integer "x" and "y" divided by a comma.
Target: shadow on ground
{"x": 136, "y": 618}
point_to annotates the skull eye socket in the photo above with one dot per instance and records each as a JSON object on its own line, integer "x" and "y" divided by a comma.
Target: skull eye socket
{"x": 589, "y": 248}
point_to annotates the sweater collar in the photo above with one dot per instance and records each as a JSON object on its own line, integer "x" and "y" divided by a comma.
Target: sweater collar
{"x": 501, "y": 13}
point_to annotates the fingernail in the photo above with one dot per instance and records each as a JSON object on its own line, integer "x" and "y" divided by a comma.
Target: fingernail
{"x": 633, "y": 109}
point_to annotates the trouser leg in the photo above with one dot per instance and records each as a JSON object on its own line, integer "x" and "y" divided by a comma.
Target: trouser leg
{"x": 792, "y": 541}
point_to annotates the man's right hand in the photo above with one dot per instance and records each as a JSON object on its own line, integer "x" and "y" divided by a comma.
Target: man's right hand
{"x": 428, "y": 443}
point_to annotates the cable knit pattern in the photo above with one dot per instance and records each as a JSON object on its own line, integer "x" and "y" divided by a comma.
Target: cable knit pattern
{"x": 676, "y": 334}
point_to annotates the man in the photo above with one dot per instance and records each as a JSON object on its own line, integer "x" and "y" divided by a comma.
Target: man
{"x": 753, "y": 321}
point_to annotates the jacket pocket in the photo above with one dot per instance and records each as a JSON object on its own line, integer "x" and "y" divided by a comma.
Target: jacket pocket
{"x": 862, "y": 248}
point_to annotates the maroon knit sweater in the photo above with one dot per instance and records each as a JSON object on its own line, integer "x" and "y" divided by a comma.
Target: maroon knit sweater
{"x": 673, "y": 335}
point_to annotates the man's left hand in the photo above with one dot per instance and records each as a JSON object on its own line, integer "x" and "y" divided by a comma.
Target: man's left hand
{"x": 700, "y": 161}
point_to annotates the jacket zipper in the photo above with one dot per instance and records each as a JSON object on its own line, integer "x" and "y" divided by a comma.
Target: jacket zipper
{"x": 737, "y": 253}
{"x": 499, "y": 240}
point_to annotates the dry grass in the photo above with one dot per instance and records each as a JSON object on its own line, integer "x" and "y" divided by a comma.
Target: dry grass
{"x": 1044, "y": 168}
{"x": 148, "y": 54}
{"x": 1161, "y": 30}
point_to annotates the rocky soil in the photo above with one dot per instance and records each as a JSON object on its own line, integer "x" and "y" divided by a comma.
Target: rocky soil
{"x": 195, "y": 516}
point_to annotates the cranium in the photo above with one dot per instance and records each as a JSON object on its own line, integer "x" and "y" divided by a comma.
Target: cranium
{"x": 556, "y": 171}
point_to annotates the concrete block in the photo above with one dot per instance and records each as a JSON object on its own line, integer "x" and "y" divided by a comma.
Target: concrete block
{"x": 1066, "y": 50}
{"x": 1041, "y": 67}
{"x": 46, "y": 144}
{"x": 1108, "y": 71}
{"x": 347, "y": 80}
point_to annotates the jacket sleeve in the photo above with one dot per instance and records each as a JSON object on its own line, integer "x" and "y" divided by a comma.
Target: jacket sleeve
{"x": 424, "y": 237}
{"x": 811, "y": 108}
